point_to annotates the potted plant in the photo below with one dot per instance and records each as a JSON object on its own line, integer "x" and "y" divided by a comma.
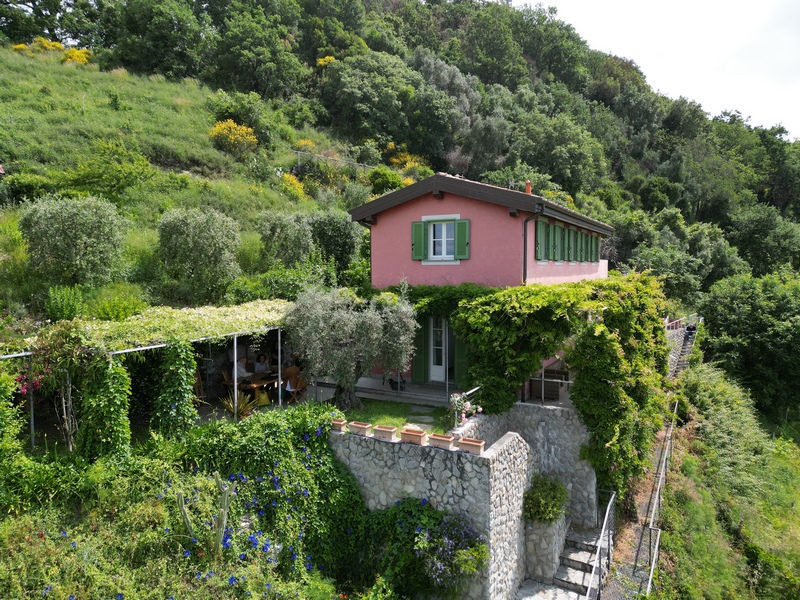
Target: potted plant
{"x": 437, "y": 440}
{"x": 413, "y": 436}
{"x": 472, "y": 446}
{"x": 338, "y": 424}
{"x": 359, "y": 428}
{"x": 384, "y": 432}
{"x": 462, "y": 408}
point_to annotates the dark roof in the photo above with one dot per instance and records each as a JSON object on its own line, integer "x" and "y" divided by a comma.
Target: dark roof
{"x": 512, "y": 199}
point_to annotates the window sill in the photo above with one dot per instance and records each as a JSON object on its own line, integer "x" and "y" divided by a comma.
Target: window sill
{"x": 428, "y": 263}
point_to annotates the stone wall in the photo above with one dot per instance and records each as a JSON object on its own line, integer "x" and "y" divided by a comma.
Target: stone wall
{"x": 544, "y": 544}
{"x": 555, "y": 435}
{"x": 488, "y": 488}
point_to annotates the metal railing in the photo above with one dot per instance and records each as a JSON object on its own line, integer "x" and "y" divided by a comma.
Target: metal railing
{"x": 655, "y": 512}
{"x": 692, "y": 319}
{"x": 605, "y": 549}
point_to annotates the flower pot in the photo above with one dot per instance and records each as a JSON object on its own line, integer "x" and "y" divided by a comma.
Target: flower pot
{"x": 445, "y": 442}
{"x": 413, "y": 436}
{"x": 338, "y": 424}
{"x": 359, "y": 428}
{"x": 385, "y": 433}
{"x": 471, "y": 445}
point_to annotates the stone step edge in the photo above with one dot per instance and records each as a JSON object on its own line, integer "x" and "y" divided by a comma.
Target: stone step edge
{"x": 572, "y": 579}
{"x": 576, "y": 558}
{"x": 534, "y": 590}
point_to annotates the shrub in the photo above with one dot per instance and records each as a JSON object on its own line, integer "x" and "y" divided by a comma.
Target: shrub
{"x": 174, "y": 413}
{"x": 72, "y": 240}
{"x": 41, "y": 44}
{"x": 73, "y": 55}
{"x": 198, "y": 247}
{"x": 545, "y": 500}
{"x": 63, "y": 303}
{"x": 335, "y": 235}
{"x": 384, "y": 180}
{"x": 19, "y": 186}
{"x": 234, "y": 139}
{"x": 292, "y": 187}
{"x": 282, "y": 281}
{"x": 249, "y": 110}
{"x": 286, "y": 238}
{"x": 116, "y": 302}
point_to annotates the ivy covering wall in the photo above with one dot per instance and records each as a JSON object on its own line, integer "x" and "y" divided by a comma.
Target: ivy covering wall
{"x": 612, "y": 336}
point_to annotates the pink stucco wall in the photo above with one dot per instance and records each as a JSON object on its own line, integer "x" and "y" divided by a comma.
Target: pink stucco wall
{"x": 496, "y": 248}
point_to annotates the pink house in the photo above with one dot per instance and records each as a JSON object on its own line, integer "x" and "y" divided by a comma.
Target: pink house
{"x": 446, "y": 230}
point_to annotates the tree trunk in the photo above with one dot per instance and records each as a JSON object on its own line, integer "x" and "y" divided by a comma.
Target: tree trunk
{"x": 345, "y": 399}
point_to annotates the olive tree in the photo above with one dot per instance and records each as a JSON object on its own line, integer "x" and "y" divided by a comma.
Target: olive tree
{"x": 198, "y": 248}
{"x": 72, "y": 240}
{"x": 335, "y": 333}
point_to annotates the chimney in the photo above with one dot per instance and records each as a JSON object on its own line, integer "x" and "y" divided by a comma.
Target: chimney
{"x": 528, "y": 186}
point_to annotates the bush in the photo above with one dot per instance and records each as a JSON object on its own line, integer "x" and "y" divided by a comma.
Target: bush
{"x": 198, "y": 247}
{"x": 21, "y": 186}
{"x": 384, "y": 180}
{"x": 249, "y": 110}
{"x": 286, "y": 238}
{"x": 282, "y": 281}
{"x": 72, "y": 240}
{"x": 237, "y": 140}
{"x": 63, "y": 303}
{"x": 116, "y": 302}
{"x": 545, "y": 500}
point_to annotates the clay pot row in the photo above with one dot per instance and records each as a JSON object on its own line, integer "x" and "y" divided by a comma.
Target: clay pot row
{"x": 411, "y": 436}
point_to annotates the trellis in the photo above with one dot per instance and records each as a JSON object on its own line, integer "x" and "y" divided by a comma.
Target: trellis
{"x": 154, "y": 327}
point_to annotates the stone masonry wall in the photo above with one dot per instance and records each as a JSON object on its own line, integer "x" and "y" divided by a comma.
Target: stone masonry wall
{"x": 544, "y": 544}
{"x": 555, "y": 434}
{"x": 488, "y": 488}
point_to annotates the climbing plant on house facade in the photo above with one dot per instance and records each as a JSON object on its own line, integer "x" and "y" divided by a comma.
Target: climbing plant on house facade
{"x": 611, "y": 334}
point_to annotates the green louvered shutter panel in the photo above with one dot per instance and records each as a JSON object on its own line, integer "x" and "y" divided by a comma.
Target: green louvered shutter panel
{"x": 460, "y": 363}
{"x": 419, "y": 362}
{"x": 595, "y": 248}
{"x": 461, "y": 239}
{"x": 570, "y": 244}
{"x": 541, "y": 240}
{"x": 586, "y": 252}
{"x": 558, "y": 243}
{"x": 581, "y": 247}
{"x": 419, "y": 250}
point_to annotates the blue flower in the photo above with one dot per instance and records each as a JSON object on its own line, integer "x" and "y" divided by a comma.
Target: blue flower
{"x": 242, "y": 556}
{"x": 210, "y": 573}
{"x": 46, "y": 590}
{"x": 119, "y": 596}
{"x": 305, "y": 437}
{"x": 232, "y": 580}
{"x": 74, "y": 544}
{"x": 397, "y": 503}
{"x": 166, "y": 529}
{"x": 186, "y": 553}
{"x": 63, "y": 534}
{"x": 198, "y": 576}
{"x": 423, "y": 502}
{"x": 160, "y": 496}
{"x": 173, "y": 406}
{"x": 71, "y": 597}
{"x": 319, "y": 431}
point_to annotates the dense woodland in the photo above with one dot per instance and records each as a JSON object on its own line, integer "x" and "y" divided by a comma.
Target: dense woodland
{"x": 184, "y": 153}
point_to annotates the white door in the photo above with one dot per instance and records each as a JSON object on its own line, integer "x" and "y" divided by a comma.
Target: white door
{"x": 437, "y": 353}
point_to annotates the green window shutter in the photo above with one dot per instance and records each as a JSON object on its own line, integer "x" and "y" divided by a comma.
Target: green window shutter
{"x": 581, "y": 247}
{"x": 460, "y": 363}
{"x": 461, "y": 239}
{"x": 419, "y": 249}
{"x": 419, "y": 362}
{"x": 586, "y": 251}
{"x": 541, "y": 240}
{"x": 558, "y": 246}
{"x": 595, "y": 248}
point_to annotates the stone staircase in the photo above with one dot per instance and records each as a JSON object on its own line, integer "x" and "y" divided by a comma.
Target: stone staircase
{"x": 679, "y": 359}
{"x": 572, "y": 578}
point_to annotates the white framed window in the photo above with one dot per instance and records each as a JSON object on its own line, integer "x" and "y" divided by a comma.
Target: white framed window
{"x": 442, "y": 238}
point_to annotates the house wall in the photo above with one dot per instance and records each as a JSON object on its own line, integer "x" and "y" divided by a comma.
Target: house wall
{"x": 496, "y": 248}
{"x": 488, "y": 488}
{"x": 551, "y": 272}
{"x": 555, "y": 435}
{"x": 495, "y": 244}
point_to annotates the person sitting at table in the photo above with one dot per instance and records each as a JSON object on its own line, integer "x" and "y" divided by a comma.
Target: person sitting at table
{"x": 261, "y": 364}
{"x": 240, "y": 371}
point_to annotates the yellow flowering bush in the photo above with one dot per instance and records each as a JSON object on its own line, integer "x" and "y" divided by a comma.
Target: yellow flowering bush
{"x": 292, "y": 187}
{"x": 325, "y": 61}
{"x": 41, "y": 44}
{"x": 232, "y": 138}
{"x": 20, "y": 48}
{"x": 304, "y": 145}
{"x": 406, "y": 181}
{"x": 80, "y": 57}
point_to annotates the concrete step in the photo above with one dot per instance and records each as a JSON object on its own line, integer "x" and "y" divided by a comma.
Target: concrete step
{"x": 572, "y": 579}
{"x": 533, "y": 590}
{"x": 583, "y": 539}
{"x": 576, "y": 558}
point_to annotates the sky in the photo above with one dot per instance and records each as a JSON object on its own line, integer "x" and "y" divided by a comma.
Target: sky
{"x": 723, "y": 54}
